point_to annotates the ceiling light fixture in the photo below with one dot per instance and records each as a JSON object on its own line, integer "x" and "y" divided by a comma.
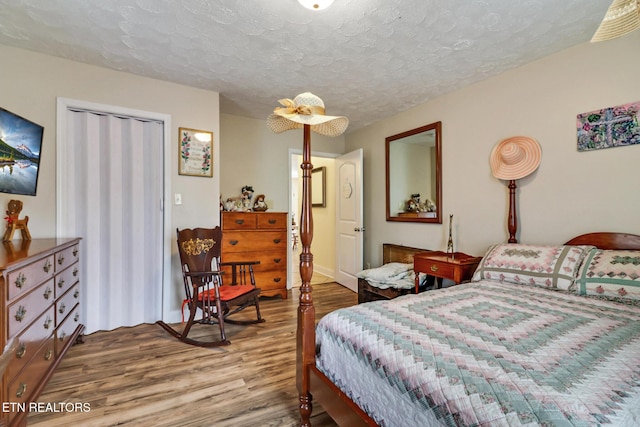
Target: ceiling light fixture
{"x": 316, "y": 4}
{"x": 622, "y": 17}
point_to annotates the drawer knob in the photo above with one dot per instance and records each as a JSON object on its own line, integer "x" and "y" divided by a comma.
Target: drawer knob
{"x": 22, "y": 388}
{"x": 76, "y": 317}
{"x": 272, "y": 221}
{"x": 22, "y": 350}
{"x": 75, "y": 251}
{"x": 276, "y": 279}
{"x": 434, "y": 268}
{"x": 75, "y": 272}
{"x": 20, "y": 313}
{"x": 60, "y": 259}
{"x": 277, "y": 260}
{"x": 240, "y": 221}
{"x": 62, "y": 308}
{"x": 76, "y": 293}
{"x": 233, "y": 242}
{"x": 276, "y": 241}
{"x": 47, "y": 293}
{"x": 47, "y": 323}
{"x": 62, "y": 336}
{"x": 47, "y": 266}
{"x": 61, "y": 283}
{"x": 20, "y": 280}
{"x": 48, "y": 354}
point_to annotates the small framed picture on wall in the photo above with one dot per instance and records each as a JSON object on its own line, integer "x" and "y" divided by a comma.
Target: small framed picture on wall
{"x": 195, "y": 152}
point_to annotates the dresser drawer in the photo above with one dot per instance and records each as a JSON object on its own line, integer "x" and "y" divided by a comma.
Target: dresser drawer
{"x": 272, "y": 221}
{"x": 23, "y": 385}
{"x": 25, "y": 278}
{"x": 437, "y": 268}
{"x": 66, "y": 257}
{"x": 269, "y": 260}
{"x": 238, "y": 221}
{"x": 238, "y": 241}
{"x": 23, "y": 311}
{"x": 31, "y": 341}
{"x": 67, "y": 278}
{"x": 66, "y": 303}
{"x": 67, "y": 328}
{"x": 271, "y": 279}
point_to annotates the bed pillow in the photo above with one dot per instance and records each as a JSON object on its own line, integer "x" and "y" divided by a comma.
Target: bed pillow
{"x": 610, "y": 273}
{"x": 553, "y": 267}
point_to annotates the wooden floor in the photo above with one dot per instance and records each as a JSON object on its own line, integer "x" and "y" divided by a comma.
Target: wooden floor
{"x": 141, "y": 376}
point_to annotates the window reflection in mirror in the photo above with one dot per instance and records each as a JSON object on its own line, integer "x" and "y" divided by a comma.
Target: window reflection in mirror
{"x": 414, "y": 175}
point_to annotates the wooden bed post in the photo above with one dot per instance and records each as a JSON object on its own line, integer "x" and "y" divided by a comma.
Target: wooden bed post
{"x": 306, "y": 337}
{"x": 513, "y": 216}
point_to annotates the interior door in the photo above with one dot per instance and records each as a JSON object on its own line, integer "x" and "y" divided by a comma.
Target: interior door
{"x": 349, "y": 222}
{"x": 110, "y": 194}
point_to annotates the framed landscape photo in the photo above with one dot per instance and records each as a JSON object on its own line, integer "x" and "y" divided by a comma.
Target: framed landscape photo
{"x": 195, "y": 152}
{"x": 20, "y": 144}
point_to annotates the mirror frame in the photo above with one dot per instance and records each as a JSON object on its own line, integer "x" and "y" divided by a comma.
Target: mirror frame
{"x": 437, "y": 126}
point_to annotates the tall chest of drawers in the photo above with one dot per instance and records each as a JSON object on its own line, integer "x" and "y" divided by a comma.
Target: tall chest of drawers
{"x": 258, "y": 236}
{"x": 40, "y": 282}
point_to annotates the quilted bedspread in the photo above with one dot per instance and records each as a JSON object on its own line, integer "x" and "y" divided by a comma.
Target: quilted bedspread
{"x": 487, "y": 354}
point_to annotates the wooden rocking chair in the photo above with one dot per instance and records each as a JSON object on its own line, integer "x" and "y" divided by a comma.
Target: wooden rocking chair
{"x": 200, "y": 251}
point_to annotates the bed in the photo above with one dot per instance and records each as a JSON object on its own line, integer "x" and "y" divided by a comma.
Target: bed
{"x": 393, "y": 279}
{"x": 543, "y": 336}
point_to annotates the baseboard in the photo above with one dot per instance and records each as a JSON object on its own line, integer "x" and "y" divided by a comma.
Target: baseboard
{"x": 324, "y": 271}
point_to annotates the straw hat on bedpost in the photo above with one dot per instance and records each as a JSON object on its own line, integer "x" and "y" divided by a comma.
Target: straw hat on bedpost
{"x": 515, "y": 158}
{"x": 512, "y": 159}
{"x": 306, "y": 109}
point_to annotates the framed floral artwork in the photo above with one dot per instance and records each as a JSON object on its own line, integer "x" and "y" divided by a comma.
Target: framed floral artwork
{"x": 609, "y": 127}
{"x": 195, "y": 152}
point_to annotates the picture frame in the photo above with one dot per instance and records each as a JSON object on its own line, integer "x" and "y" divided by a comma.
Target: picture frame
{"x": 318, "y": 187}
{"x": 195, "y": 152}
{"x": 609, "y": 127}
{"x": 20, "y": 147}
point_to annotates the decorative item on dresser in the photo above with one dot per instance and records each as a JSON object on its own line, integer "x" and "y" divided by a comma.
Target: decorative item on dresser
{"x": 41, "y": 310}
{"x": 261, "y": 236}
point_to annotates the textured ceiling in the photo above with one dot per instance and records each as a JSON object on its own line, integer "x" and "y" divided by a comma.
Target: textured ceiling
{"x": 367, "y": 59}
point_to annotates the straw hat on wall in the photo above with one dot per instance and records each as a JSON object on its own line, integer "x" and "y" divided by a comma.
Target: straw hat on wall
{"x": 515, "y": 157}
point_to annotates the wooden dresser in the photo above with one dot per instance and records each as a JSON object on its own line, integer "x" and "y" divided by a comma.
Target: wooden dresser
{"x": 258, "y": 236}
{"x": 41, "y": 310}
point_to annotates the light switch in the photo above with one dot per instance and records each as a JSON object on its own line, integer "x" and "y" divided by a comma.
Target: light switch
{"x": 177, "y": 198}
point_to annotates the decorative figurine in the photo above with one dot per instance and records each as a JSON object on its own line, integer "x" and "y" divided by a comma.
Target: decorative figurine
{"x": 260, "y": 205}
{"x": 14, "y": 223}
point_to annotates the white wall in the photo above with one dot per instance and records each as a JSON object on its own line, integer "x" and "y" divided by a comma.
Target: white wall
{"x": 251, "y": 154}
{"x": 29, "y": 86}
{"x": 571, "y": 193}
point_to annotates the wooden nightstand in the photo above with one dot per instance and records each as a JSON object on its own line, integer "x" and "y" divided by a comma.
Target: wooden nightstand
{"x": 458, "y": 266}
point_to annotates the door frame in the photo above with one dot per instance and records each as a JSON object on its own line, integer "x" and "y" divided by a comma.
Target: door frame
{"x": 297, "y": 152}
{"x": 64, "y": 104}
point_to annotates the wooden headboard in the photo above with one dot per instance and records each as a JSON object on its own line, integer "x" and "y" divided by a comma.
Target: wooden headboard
{"x": 399, "y": 253}
{"x": 607, "y": 240}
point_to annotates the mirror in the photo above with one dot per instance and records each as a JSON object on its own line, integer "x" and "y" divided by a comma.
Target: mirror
{"x": 414, "y": 175}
